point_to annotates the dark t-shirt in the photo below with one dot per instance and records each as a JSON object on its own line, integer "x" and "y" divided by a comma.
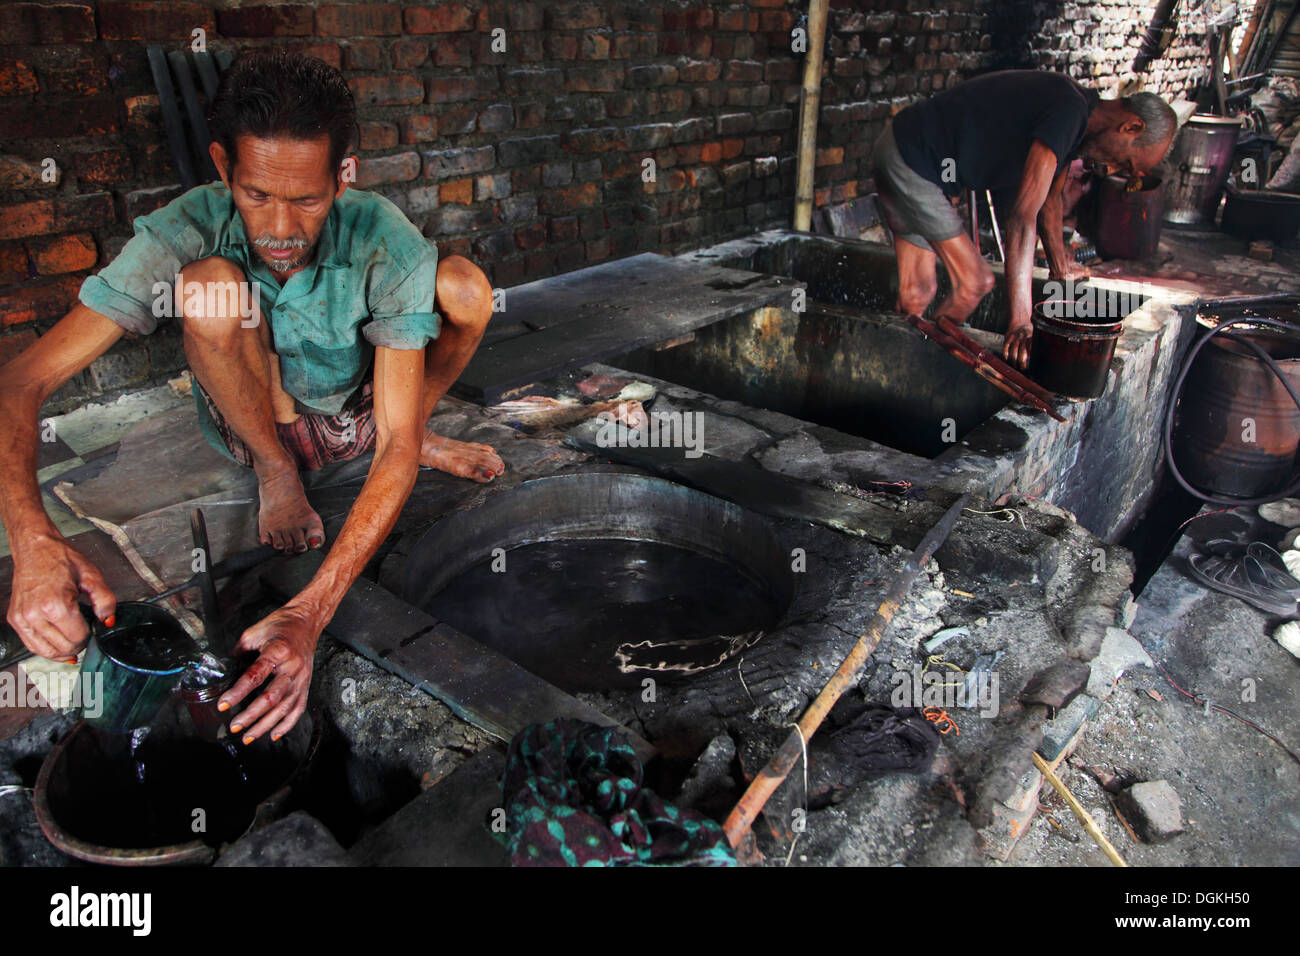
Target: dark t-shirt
{"x": 985, "y": 126}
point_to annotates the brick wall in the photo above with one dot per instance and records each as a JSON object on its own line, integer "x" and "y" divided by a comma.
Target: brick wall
{"x": 530, "y": 160}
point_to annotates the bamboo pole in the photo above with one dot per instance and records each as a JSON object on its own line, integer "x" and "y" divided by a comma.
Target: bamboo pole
{"x": 809, "y": 100}
{"x": 1084, "y": 817}
{"x": 783, "y": 761}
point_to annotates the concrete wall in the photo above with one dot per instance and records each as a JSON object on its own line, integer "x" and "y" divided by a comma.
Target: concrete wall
{"x": 529, "y": 160}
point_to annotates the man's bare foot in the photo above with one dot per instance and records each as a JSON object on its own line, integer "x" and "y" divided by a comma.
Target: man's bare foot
{"x": 284, "y": 518}
{"x": 461, "y": 458}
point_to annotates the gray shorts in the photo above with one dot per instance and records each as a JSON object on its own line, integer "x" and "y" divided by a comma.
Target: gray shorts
{"x": 915, "y": 208}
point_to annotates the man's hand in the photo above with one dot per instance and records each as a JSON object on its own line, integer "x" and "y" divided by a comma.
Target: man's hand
{"x": 49, "y": 574}
{"x": 1015, "y": 347}
{"x": 286, "y": 640}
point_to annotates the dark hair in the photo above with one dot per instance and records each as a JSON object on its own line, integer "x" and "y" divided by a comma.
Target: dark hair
{"x": 1161, "y": 121}
{"x": 272, "y": 93}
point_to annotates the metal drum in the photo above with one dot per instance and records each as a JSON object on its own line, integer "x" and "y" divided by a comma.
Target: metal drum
{"x": 1128, "y": 225}
{"x": 1237, "y": 428}
{"x": 1200, "y": 162}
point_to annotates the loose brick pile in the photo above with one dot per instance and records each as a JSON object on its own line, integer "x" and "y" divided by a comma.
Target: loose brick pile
{"x": 530, "y": 161}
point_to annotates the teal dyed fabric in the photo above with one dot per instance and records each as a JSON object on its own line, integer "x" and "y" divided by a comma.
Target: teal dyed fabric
{"x": 573, "y": 797}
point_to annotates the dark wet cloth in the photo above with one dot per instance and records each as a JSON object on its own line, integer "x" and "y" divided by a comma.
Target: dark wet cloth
{"x": 977, "y": 135}
{"x": 574, "y": 797}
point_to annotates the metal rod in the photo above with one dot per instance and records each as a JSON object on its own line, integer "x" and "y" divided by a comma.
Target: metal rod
{"x": 993, "y": 218}
{"x": 783, "y": 761}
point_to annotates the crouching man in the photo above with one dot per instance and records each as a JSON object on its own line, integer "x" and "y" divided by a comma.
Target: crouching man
{"x": 319, "y": 326}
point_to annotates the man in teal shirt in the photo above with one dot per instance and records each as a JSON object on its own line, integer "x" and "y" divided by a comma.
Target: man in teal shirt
{"x": 319, "y": 325}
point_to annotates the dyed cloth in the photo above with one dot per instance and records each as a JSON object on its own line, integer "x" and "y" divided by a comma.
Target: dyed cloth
{"x": 573, "y": 797}
{"x": 313, "y": 440}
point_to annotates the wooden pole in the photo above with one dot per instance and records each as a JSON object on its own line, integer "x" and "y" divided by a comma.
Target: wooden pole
{"x": 783, "y": 761}
{"x": 809, "y": 100}
{"x": 1084, "y": 817}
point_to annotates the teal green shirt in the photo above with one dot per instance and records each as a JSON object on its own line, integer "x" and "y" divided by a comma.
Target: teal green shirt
{"x": 370, "y": 283}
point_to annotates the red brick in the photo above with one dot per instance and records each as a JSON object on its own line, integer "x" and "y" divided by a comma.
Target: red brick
{"x": 564, "y": 228}
{"x": 380, "y": 170}
{"x": 832, "y": 156}
{"x": 458, "y": 191}
{"x": 377, "y": 135}
{"x": 55, "y": 23}
{"x": 15, "y": 343}
{"x": 143, "y": 113}
{"x": 329, "y": 52}
{"x": 27, "y": 219}
{"x": 457, "y": 122}
{"x": 419, "y": 128}
{"x": 602, "y": 79}
{"x": 105, "y": 167}
{"x": 688, "y": 20}
{"x": 561, "y": 46}
{"x": 363, "y": 55}
{"x": 289, "y": 20}
{"x": 387, "y": 90}
{"x": 359, "y": 20}
{"x": 709, "y": 153}
{"x": 568, "y": 199}
{"x": 530, "y": 115}
{"x": 598, "y": 249}
{"x": 595, "y": 46}
{"x": 451, "y": 89}
{"x": 453, "y": 51}
{"x": 139, "y": 20}
{"x": 16, "y": 78}
{"x": 82, "y": 74}
{"x": 444, "y": 18}
{"x": 575, "y": 16}
{"x": 64, "y": 254}
{"x": 530, "y": 237}
{"x": 14, "y": 266}
{"x": 409, "y": 53}
{"x": 731, "y": 148}
{"x": 89, "y": 117}
{"x": 39, "y": 300}
{"x": 741, "y": 21}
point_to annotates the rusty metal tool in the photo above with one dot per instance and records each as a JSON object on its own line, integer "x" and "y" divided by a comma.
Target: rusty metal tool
{"x": 987, "y": 366}
{"x": 787, "y": 756}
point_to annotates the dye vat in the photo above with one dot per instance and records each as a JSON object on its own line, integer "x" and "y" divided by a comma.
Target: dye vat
{"x": 595, "y": 581}
{"x": 135, "y": 799}
{"x": 844, "y": 361}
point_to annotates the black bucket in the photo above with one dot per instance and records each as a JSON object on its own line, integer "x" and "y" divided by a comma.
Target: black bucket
{"x": 1070, "y": 353}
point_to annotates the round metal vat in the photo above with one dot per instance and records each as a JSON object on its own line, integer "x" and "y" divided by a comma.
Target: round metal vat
{"x": 599, "y": 580}
{"x": 1237, "y": 428}
{"x": 1200, "y": 162}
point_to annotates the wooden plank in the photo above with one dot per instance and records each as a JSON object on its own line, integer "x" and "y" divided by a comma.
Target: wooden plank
{"x": 750, "y": 486}
{"x": 608, "y": 310}
{"x": 480, "y": 685}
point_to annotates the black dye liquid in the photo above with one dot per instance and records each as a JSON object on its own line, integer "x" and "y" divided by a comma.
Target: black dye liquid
{"x": 561, "y": 609}
{"x": 144, "y": 790}
{"x": 150, "y": 646}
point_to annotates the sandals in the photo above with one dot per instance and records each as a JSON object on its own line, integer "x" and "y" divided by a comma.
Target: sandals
{"x": 1257, "y": 576}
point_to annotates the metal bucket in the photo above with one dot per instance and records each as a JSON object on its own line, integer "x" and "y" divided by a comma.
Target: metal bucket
{"x": 1128, "y": 226}
{"x": 1237, "y": 428}
{"x": 91, "y": 807}
{"x": 1262, "y": 214}
{"x": 133, "y": 666}
{"x": 1200, "y": 162}
{"x": 1070, "y": 353}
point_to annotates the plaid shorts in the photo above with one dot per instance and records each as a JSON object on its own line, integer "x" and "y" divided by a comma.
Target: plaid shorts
{"x": 313, "y": 440}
